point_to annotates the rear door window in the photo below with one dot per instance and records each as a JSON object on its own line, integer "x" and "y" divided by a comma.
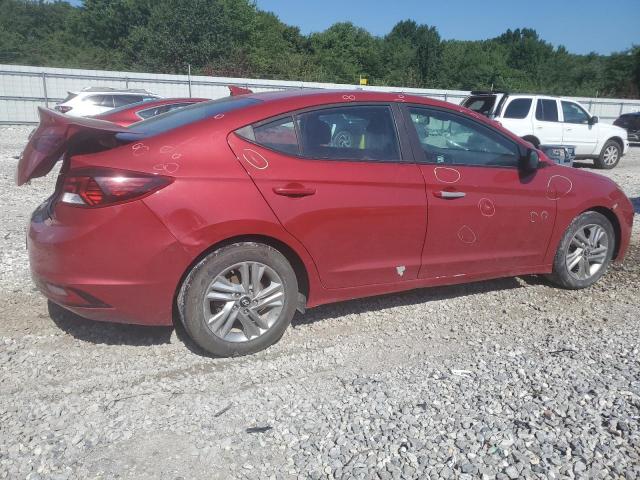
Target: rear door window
{"x": 547, "y": 110}
{"x": 363, "y": 132}
{"x": 518, "y": 108}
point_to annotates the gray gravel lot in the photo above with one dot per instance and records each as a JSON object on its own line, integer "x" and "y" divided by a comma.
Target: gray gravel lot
{"x": 503, "y": 379}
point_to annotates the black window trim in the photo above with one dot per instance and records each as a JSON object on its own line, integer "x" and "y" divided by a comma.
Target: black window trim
{"x": 418, "y": 151}
{"x": 403, "y": 142}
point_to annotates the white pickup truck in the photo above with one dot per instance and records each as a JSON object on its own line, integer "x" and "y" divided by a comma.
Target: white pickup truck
{"x": 544, "y": 120}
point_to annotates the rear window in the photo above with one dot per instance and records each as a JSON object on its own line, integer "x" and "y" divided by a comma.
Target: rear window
{"x": 481, "y": 104}
{"x": 184, "y": 116}
{"x": 518, "y": 108}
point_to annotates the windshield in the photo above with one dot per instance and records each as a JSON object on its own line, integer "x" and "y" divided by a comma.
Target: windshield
{"x": 184, "y": 116}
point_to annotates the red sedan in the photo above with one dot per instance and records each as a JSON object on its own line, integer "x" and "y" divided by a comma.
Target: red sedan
{"x": 234, "y": 213}
{"x": 139, "y": 111}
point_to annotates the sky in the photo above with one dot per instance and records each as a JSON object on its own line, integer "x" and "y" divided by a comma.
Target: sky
{"x": 582, "y": 26}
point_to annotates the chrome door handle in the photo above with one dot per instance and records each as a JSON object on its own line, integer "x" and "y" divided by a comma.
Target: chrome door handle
{"x": 449, "y": 195}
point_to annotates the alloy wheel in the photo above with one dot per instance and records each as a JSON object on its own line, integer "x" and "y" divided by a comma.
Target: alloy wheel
{"x": 243, "y": 301}
{"x": 611, "y": 154}
{"x": 587, "y": 251}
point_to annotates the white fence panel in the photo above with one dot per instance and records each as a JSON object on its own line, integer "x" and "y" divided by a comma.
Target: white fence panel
{"x": 23, "y": 88}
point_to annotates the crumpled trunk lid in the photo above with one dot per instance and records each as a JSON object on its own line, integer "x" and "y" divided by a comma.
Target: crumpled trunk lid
{"x": 55, "y": 135}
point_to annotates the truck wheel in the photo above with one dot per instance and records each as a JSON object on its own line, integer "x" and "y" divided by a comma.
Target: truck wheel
{"x": 609, "y": 156}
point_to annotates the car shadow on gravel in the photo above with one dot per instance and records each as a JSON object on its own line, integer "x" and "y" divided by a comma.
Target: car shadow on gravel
{"x": 413, "y": 297}
{"x": 137, "y": 335}
{"x": 107, "y": 333}
{"x": 635, "y": 201}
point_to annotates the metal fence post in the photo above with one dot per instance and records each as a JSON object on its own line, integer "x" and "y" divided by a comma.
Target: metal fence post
{"x": 189, "y": 77}
{"x": 621, "y": 108}
{"x": 126, "y": 83}
{"x": 44, "y": 88}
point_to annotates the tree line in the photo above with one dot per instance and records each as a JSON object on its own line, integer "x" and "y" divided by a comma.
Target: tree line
{"x": 235, "y": 38}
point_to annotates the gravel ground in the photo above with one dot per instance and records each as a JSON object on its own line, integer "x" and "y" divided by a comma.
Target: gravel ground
{"x": 503, "y": 379}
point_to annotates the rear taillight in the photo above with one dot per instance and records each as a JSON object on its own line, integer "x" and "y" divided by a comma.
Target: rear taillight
{"x": 102, "y": 187}
{"x": 63, "y": 108}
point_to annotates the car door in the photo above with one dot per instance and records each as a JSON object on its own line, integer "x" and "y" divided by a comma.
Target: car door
{"x": 577, "y": 128}
{"x": 338, "y": 181}
{"x": 484, "y": 216}
{"x": 546, "y": 124}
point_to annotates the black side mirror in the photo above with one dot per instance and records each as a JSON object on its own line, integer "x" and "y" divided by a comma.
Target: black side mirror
{"x": 593, "y": 120}
{"x": 530, "y": 161}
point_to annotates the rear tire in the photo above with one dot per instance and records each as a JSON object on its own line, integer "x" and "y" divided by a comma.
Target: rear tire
{"x": 585, "y": 252}
{"x": 239, "y": 299}
{"x": 609, "y": 155}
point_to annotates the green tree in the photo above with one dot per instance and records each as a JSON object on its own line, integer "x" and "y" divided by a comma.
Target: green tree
{"x": 413, "y": 55}
{"x": 343, "y": 52}
{"x": 235, "y": 38}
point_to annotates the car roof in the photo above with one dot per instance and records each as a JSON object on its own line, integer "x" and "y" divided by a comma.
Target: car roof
{"x": 342, "y": 96}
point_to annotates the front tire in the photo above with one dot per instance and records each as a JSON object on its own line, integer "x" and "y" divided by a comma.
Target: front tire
{"x": 239, "y": 299}
{"x": 609, "y": 155}
{"x": 585, "y": 251}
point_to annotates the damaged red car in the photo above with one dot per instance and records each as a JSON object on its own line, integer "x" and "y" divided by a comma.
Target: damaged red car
{"x": 232, "y": 214}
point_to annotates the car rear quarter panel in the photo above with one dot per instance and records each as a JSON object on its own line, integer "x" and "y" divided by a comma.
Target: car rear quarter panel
{"x": 212, "y": 199}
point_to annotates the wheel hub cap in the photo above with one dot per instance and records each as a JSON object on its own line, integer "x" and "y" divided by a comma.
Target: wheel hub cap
{"x": 610, "y": 155}
{"x": 243, "y": 302}
{"x": 587, "y": 252}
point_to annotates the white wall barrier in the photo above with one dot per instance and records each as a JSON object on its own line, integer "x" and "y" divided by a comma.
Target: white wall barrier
{"x": 23, "y": 88}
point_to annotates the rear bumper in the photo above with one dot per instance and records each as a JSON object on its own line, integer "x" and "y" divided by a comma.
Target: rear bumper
{"x": 94, "y": 264}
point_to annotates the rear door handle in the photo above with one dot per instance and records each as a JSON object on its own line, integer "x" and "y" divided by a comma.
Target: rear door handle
{"x": 294, "y": 190}
{"x": 449, "y": 195}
